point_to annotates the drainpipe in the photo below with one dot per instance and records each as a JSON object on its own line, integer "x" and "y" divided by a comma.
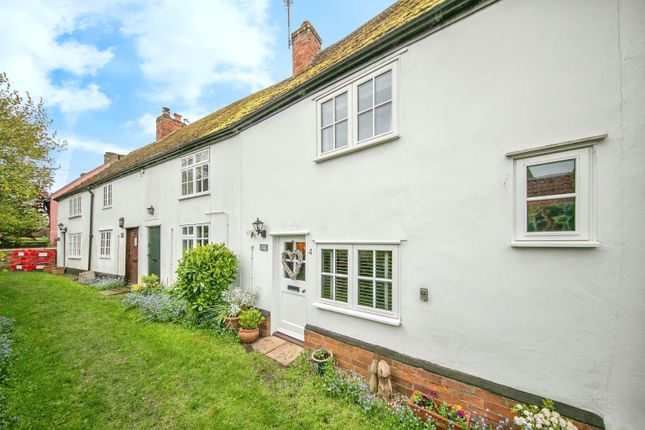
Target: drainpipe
{"x": 89, "y": 251}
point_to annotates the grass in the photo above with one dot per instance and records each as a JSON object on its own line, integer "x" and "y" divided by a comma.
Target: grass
{"x": 82, "y": 362}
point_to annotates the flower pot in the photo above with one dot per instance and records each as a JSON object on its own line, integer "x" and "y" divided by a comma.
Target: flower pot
{"x": 441, "y": 422}
{"x": 232, "y": 322}
{"x": 320, "y": 362}
{"x": 248, "y": 336}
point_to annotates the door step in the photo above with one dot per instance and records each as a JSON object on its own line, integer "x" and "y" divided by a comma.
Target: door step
{"x": 278, "y": 349}
{"x": 289, "y": 339}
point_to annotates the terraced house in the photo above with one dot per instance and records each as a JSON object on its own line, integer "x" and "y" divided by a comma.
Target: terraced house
{"x": 456, "y": 186}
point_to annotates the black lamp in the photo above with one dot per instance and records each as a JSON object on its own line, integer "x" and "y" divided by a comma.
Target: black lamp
{"x": 121, "y": 222}
{"x": 258, "y": 228}
{"x": 151, "y": 210}
{"x": 62, "y": 227}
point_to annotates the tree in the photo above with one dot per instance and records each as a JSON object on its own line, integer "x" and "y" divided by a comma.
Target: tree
{"x": 26, "y": 165}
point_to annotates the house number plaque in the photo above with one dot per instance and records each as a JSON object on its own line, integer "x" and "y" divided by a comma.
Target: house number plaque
{"x": 264, "y": 247}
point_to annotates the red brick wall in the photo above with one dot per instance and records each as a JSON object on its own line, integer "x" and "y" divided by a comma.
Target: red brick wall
{"x": 305, "y": 44}
{"x": 406, "y": 378}
{"x": 166, "y": 124}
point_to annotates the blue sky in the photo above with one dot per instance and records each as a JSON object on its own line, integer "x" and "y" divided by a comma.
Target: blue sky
{"x": 104, "y": 68}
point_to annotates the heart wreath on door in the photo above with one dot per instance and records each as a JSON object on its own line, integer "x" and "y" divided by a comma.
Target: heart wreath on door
{"x": 296, "y": 257}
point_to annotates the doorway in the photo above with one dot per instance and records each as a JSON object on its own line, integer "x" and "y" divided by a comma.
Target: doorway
{"x": 132, "y": 255}
{"x": 292, "y": 286}
{"x": 154, "y": 250}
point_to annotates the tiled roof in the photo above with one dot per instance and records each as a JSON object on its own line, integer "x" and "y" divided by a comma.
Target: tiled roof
{"x": 400, "y": 13}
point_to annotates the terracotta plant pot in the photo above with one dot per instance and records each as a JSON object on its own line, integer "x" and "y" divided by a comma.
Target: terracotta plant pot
{"x": 320, "y": 362}
{"x": 440, "y": 421}
{"x": 248, "y": 336}
{"x": 232, "y": 322}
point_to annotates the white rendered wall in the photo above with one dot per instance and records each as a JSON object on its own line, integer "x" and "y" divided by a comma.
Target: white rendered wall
{"x": 560, "y": 323}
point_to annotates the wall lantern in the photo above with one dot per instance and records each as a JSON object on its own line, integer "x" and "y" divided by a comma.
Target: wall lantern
{"x": 121, "y": 222}
{"x": 151, "y": 210}
{"x": 62, "y": 228}
{"x": 258, "y": 228}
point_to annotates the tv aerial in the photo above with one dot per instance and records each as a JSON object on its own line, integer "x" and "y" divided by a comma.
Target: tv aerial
{"x": 288, "y": 4}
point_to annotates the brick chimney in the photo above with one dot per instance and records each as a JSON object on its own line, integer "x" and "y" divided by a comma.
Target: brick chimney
{"x": 166, "y": 124}
{"x": 111, "y": 157}
{"x": 305, "y": 44}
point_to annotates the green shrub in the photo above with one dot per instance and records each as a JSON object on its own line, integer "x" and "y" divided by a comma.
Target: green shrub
{"x": 250, "y": 319}
{"x": 203, "y": 274}
{"x": 150, "y": 284}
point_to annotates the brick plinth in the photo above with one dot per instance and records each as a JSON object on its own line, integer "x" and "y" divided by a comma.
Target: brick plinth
{"x": 407, "y": 378}
{"x": 265, "y": 328}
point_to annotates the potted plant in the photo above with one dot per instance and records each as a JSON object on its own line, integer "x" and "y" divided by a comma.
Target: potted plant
{"x": 445, "y": 415}
{"x": 321, "y": 357}
{"x": 232, "y": 304}
{"x": 250, "y": 321}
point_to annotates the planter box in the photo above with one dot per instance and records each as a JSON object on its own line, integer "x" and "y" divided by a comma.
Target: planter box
{"x": 441, "y": 421}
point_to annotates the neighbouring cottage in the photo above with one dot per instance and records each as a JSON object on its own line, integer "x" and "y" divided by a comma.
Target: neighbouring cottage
{"x": 456, "y": 187}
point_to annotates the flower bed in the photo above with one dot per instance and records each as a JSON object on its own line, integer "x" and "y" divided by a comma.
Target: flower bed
{"x": 445, "y": 415}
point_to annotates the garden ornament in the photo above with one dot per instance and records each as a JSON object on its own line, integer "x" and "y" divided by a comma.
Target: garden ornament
{"x": 384, "y": 383}
{"x": 296, "y": 257}
{"x": 372, "y": 371}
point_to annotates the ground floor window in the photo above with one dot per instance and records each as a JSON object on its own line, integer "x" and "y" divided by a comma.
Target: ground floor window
{"x": 194, "y": 235}
{"x": 74, "y": 245}
{"x": 105, "y": 244}
{"x": 360, "y": 277}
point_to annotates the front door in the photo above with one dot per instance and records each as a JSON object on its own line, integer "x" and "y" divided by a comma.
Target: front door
{"x": 154, "y": 249}
{"x": 292, "y": 284}
{"x": 132, "y": 255}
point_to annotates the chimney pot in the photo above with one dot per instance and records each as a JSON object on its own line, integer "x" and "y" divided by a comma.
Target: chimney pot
{"x": 167, "y": 124}
{"x": 305, "y": 44}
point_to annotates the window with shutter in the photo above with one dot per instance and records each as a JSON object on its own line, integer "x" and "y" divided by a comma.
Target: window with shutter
{"x": 359, "y": 277}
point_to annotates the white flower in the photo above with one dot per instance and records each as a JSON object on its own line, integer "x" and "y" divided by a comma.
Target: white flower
{"x": 562, "y": 423}
{"x": 555, "y": 414}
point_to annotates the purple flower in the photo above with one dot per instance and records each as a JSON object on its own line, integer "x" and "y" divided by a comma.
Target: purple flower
{"x": 461, "y": 413}
{"x": 432, "y": 394}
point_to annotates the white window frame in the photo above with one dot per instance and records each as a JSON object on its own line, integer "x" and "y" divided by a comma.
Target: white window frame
{"x": 107, "y": 196}
{"x": 74, "y": 245}
{"x": 352, "y": 307}
{"x": 189, "y": 163}
{"x": 351, "y": 88}
{"x": 105, "y": 244}
{"x": 194, "y": 239}
{"x": 584, "y": 195}
{"x": 75, "y": 206}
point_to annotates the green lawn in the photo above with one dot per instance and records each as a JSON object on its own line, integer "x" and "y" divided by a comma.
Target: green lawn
{"x": 81, "y": 361}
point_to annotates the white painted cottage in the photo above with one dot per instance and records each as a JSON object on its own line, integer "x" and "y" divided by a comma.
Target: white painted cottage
{"x": 464, "y": 180}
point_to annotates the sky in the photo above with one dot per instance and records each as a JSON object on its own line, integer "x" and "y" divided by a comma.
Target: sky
{"x": 105, "y": 68}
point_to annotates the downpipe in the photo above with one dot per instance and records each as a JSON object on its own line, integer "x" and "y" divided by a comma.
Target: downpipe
{"x": 89, "y": 250}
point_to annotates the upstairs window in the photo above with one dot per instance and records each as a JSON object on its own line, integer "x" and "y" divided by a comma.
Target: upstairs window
{"x": 75, "y": 206}
{"x": 194, "y": 235}
{"x": 194, "y": 173}
{"x": 358, "y": 114}
{"x": 334, "y": 123}
{"x": 374, "y": 100}
{"x": 107, "y": 196}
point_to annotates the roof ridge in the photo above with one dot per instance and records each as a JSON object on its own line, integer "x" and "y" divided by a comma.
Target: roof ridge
{"x": 370, "y": 32}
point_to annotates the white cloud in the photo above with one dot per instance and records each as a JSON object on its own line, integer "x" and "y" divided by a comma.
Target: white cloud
{"x": 69, "y": 171}
{"x": 186, "y": 47}
{"x": 32, "y": 50}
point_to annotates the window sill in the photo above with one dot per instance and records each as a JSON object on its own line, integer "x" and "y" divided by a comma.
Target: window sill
{"x": 105, "y": 258}
{"x": 358, "y": 314}
{"x": 357, "y": 147}
{"x": 555, "y": 244}
{"x": 73, "y": 258}
{"x": 107, "y": 207}
{"x": 74, "y": 216}
{"x": 193, "y": 196}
